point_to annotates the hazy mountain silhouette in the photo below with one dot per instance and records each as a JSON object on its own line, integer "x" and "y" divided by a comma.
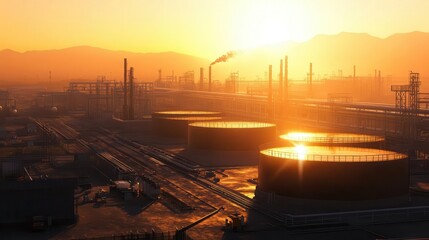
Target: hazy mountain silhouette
{"x": 395, "y": 56}
{"x": 86, "y": 62}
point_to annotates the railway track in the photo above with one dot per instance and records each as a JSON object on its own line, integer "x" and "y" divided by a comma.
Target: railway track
{"x": 149, "y": 160}
{"x": 153, "y": 161}
{"x": 145, "y": 166}
{"x": 58, "y": 127}
{"x": 190, "y": 170}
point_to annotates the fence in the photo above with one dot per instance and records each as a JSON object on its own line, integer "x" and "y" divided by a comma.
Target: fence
{"x": 390, "y": 215}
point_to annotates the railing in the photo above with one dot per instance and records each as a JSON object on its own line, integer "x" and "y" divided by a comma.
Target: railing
{"x": 192, "y": 119}
{"x": 226, "y": 124}
{"x": 334, "y": 157}
{"x": 400, "y": 88}
{"x": 360, "y": 217}
{"x": 335, "y": 139}
{"x": 139, "y": 235}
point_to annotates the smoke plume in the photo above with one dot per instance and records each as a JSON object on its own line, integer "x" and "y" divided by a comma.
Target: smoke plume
{"x": 224, "y": 57}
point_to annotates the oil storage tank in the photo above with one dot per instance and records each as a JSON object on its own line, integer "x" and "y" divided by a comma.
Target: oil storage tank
{"x": 333, "y": 173}
{"x": 175, "y": 123}
{"x": 230, "y": 135}
{"x": 333, "y": 139}
{"x": 184, "y": 113}
{"x": 177, "y": 127}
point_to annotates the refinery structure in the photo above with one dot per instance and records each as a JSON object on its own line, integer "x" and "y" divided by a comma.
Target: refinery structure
{"x": 189, "y": 157}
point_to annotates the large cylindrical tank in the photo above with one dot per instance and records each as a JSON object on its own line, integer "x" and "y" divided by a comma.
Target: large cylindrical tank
{"x": 333, "y": 173}
{"x": 230, "y": 135}
{"x": 175, "y": 123}
{"x": 177, "y": 127}
{"x": 333, "y": 139}
{"x": 185, "y": 113}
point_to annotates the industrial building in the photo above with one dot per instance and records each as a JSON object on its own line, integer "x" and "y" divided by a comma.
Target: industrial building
{"x": 51, "y": 199}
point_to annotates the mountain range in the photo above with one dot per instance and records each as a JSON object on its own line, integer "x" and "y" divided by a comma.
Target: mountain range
{"x": 394, "y": 56}
{"x": 89, "y": 63}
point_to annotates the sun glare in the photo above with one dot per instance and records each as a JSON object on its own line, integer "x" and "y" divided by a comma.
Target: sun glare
{"x": 261, "y": 24}
{"x": 301, "y": 151}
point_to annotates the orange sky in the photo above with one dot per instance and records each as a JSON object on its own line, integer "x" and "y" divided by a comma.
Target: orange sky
{"x": 198, "y": 27}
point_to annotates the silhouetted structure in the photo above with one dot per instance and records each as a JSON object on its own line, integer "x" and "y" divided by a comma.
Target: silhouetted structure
{"x": 52, "y": 199}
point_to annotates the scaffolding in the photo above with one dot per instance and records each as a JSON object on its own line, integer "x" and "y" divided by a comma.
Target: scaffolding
{"x": 106, "y": 97}
{"x": 231, "y": 84}
{"x": 408, "y": 103}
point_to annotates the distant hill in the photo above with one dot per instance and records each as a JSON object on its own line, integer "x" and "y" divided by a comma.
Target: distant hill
{"x": 396, "y": 56}
{"x": 86, "y": 62}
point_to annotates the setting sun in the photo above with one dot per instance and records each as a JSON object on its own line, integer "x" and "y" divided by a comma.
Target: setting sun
{"x": 261, "y": 23}
{"x": 301, "y": 152}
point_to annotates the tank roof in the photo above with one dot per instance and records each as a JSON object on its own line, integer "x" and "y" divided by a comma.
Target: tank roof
{"x": 185, "y": 112}
{"x": 193, "y": 118}
{"x": 333, "y": 138}
{"x": 232, "y": 124}
{"x": 332, "y": 154}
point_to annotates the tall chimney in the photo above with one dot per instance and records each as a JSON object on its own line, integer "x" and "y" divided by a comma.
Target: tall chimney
{"x": 201, "y": 78}
{"x": 375, "y": 83}
{"x": 286, "y": 80}
{"x": 270, "y": 91}
{"x": 131, "y": 110}
{"x": 210, "y": 78}
{"x": 379, "y": 82}
{"x": 311, "y": 80}
{"x": 125, "y": 108}
{"x": 270, "y": 84}
{"x": 281, "y": 81}
{"x": 354, "y": 75}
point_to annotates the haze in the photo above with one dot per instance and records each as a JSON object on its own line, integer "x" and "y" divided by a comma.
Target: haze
{"x": 201, "y": 28}
{"x": 221, "y": 119}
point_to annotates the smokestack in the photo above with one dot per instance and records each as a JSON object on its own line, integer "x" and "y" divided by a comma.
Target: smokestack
{"x": 270, "y": 84}
{"x": 354, "y": 75}
{"x": 131, "y": 110}
{"x": 375, "y": 82}
{"x": 159, "y": 75}
{"x": 210, "y": 78}
{"x": 201, "y": 78}
{"x": 270, "y": 91}
{"x": 311, "y": 80}
{"x": 379, "y": 81}
{"x": 286, "y": 80}
{"x": 281, "y": 81}
{"x": 125, "y": 110}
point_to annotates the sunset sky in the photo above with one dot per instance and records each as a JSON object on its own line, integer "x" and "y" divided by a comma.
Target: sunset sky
{"x": 197, "y": 27}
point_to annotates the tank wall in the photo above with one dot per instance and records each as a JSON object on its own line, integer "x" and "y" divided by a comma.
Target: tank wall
{"x": 171, "y": 128}
{"x": 177, "y": 128}
{"x": 333, "y": 180}
{"x": 174, "y": 114}
{"x": 234, "y": 139}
